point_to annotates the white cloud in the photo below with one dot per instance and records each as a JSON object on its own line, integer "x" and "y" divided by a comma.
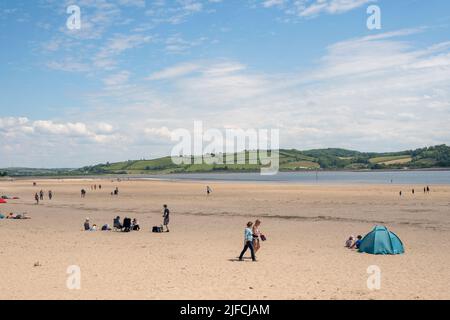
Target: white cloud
{"x": 312, "y": 8}
{"x": 174, "y": 72}
{"x": 117, "y": 79}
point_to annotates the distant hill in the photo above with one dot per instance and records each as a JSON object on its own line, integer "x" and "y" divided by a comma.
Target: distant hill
{"x": 290, "y": 160}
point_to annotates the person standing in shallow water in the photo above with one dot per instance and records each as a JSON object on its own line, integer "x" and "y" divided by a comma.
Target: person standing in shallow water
{"x": 248, "y": 242}
{"x": 166, "y": 217}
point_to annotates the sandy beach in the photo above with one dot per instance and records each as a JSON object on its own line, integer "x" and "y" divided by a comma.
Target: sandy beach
{"x": 303, "y": 258}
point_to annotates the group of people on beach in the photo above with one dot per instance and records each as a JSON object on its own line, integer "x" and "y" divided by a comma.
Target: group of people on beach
{"x": 39, "y": 196}
{"x": 127, "y": 225}
{"x": 20, "y": 216}
{"x": 252, "y": 239}
{"x": 413, "y": 191}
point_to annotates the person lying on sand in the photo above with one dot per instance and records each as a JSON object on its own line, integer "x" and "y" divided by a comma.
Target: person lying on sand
{"x": 357, "y": 243}
{"x": 22, "y": 216}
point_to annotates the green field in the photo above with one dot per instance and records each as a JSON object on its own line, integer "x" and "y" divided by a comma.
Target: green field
{"x": 289, "y": 160}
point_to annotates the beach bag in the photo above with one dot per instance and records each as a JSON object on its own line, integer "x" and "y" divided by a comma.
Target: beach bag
{"x": 157, "y": 229}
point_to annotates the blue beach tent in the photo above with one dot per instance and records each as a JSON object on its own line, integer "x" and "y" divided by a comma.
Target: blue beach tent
{"x": 381, "y": 241}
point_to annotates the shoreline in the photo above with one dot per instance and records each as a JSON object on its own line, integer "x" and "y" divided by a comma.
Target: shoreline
{"x": 335, "y": 177}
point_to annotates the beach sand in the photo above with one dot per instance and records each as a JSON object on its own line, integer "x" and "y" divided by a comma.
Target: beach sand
{"x": 303, "y": 258}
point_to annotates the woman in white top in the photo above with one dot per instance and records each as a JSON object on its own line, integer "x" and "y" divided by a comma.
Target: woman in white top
{"x": 256, "y": 235}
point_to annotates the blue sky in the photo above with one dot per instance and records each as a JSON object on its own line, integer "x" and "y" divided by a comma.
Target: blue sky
{"x": 137, "y": 70}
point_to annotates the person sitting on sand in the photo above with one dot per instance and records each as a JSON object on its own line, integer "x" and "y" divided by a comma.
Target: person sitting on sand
{"x": 126, "y": 224}
{"x": 87, "y": 227}
{"x": 116, "y": 223}
{"x": 357, "y": 243}
{"x": 248, "y": 242}
{"x": 94, "y": 227}
{"x": 166, "y": 217}
{"x": 135, "y": 225}
{"x": 349, "y": 242}
{"x": 106, "y": 227}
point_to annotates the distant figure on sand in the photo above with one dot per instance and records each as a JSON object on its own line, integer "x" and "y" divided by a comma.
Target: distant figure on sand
{"x": 208, "y": 190}
{"x": 36, "y": 197}
{"x": 135, "y": 225}
{"x": 357, "y": 243}
{"x": 248, "y": 242}
{"x": 400, "y": 193}
{"x": 126, "y": 224}
{"x": 41, "y": 195}
{"x": 256, "y": 236}
{"x": 413, "y": 191}
{"x": 166, "y": 217}
{"x": 83, "y": 193}
{"x": 50, "y": 194}
{"x": 87, "y": 227}
{"x": 428, "y": 189}
{"x": 116, "y": 224}
{"x": 349, "y": 242}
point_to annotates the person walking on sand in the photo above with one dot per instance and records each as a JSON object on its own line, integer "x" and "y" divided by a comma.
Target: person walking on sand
{"x": 36, "y": 197}
{"x": 41, "y": 195}
{"x": 248, "y": 242}
{"x": 208, "y": 190}
{"x": 256, "y": 236}
{"x": 166, "y": 217}
{"x": 50, "y": 194}
{"x": 83, "y": 193}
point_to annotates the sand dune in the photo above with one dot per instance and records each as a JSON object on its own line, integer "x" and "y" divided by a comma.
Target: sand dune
{"x": 304, "y": 257}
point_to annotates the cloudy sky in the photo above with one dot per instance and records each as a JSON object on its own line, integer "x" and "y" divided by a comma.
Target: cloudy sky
{"x": 139, "y": 69}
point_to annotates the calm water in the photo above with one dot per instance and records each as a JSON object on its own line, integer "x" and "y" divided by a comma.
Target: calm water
{"x": 377, "y": 177}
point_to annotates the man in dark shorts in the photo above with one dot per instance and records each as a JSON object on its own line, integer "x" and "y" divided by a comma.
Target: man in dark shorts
{"x": 166, "y": 217}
